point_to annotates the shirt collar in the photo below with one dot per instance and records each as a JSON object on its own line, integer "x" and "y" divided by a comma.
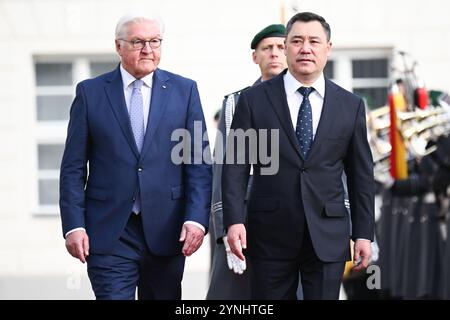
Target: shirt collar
{"x": 293, "y": 84}
{"x": 128, "y": 79}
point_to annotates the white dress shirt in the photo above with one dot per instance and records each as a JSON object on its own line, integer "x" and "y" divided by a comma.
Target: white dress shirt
{"x": 146, "y": 90}
{"x": 294, "y": 98}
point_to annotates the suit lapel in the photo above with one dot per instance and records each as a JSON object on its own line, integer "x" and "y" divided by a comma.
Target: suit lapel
{"x": 160, "y": 92}
{"x": 327, "y": 116}
{"x": 114, "y": 92}
{"x": 277, "y": 96}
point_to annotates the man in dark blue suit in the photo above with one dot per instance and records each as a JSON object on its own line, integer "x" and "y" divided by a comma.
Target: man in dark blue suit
{"x": 129, "y": 207}
{"x": 296, "y": 218}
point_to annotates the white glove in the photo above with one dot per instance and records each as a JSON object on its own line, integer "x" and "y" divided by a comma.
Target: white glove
{"x": 386, "y": 180}
{"x": 234, "y": 263}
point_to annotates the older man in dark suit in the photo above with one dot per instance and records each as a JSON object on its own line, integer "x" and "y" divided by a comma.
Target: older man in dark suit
{"x": 129, "y": 206}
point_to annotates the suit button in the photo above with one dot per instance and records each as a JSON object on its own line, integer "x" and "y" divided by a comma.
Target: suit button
{"x": 134, "y": 199}
{"x": 303, "y": 170}
{"x": 140, "y": 169}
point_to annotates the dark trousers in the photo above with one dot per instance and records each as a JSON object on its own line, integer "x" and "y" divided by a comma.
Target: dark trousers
{"x": 131, "y": 265}
{"x": 278, "y": 279}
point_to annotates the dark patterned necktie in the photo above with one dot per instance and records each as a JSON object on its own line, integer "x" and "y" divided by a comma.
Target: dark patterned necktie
{"x": 304, "y": 128}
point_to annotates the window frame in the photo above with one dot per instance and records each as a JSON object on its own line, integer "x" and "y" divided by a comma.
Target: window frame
{"x": 55, "y": 131}
{"x": 343, "y": 69}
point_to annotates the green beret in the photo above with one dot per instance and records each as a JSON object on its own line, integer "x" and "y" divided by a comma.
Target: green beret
{"x": 274, "y": 30}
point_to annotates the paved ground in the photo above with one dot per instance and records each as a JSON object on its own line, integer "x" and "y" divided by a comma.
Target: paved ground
{"x": 75, "y": 285}
{"x": 56, "y": 288}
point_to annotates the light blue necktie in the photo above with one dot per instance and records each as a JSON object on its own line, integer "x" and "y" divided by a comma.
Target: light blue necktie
{"x": 304, "y": 128}
{"x": 137, "y": 124}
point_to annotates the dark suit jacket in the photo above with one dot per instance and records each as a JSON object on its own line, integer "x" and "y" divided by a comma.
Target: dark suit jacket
{"x": 226, "y": 116}
{"x": 275, "y": 222}
{"x": 102, "y": 170}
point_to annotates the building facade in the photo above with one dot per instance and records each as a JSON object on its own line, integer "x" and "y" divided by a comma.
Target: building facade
{"x": 48, "y": 46}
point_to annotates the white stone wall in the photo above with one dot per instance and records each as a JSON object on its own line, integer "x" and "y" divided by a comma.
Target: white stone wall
{"x": 208, "y": 41}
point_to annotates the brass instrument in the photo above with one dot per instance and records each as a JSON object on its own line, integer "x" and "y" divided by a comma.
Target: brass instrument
{"x": 417, "y": 127}
{"x": 378, "y": 124}
{"x": 426, "y": 126}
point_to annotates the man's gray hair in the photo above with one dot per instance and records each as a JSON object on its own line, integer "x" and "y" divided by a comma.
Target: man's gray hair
{"x": 133, "y": 17}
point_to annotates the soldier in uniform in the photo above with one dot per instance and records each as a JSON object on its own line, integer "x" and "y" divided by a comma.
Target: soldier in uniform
{"x": 228, "y": 279}
{"x": 410, "y": 227}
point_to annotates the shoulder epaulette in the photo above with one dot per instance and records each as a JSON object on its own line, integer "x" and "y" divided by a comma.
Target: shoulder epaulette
{"x": 236, "y": 92}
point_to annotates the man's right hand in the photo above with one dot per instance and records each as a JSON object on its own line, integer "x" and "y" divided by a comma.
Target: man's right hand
{"x": 237, "y": 238}
{"x": 234, "y": 263}
{"x": 77, "y": 243}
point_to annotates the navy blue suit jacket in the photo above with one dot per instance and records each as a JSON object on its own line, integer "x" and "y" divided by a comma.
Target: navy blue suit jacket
{"x": 275, "y": 222}
{"x": 102, "y": 170}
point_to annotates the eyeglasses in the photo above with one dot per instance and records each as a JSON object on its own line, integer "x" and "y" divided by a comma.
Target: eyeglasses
{"x": 139, "y": 44}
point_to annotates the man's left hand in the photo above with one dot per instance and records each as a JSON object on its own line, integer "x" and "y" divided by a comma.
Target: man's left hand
{"x": 192, "y": 237}
{"x": 362, "y": 254}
